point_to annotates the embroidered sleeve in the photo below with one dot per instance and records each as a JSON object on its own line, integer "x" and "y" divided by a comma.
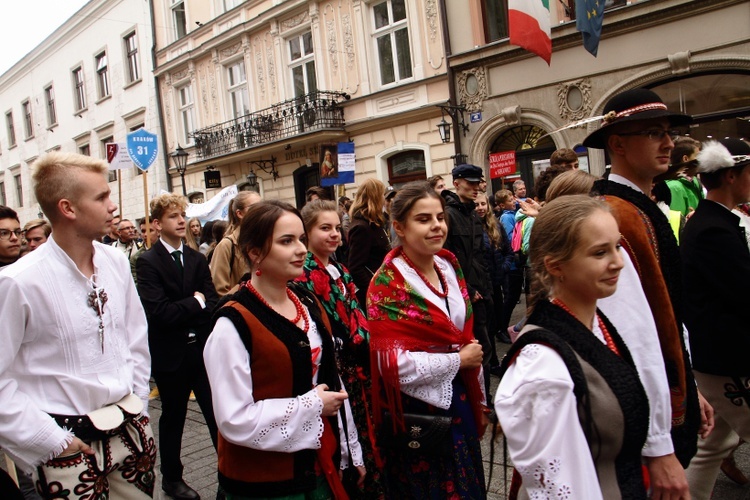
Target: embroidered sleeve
{"x": 428, "y": 376}
{"x": 283, "y": 424}
{"x": 536, "y": 408}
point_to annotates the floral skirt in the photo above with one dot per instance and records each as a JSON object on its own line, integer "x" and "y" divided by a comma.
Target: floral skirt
{"x": 457, "y": 475}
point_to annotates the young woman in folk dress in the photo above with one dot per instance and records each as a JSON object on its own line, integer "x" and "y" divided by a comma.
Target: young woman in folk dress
{"x": 270, "y": 358}
{"x": 425, "y": 359}
{"x": 332, "y": 284}
{"x": 570, "y": 402}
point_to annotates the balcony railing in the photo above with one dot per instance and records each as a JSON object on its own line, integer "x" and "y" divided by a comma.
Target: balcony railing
{"x": 316, "y": 111}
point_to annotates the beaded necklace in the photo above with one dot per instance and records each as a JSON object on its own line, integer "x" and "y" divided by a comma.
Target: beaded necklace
{"x": 441, "y": 278}
{"x": 607, "y": 337}
{"x": 295, "y": 300}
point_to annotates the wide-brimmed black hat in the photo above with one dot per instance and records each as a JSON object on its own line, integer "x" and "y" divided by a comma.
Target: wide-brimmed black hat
{"x": 632, "y": 105}
{"x": 724, "y": 153}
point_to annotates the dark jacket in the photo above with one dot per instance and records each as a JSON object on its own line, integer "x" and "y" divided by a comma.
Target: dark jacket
{"x": 716, "y": 271}
{"x": 465, "y": 241}
{"x": 368, "y": 245}
{"x": 498, "y": 260}
{"x": 173, "y": 313}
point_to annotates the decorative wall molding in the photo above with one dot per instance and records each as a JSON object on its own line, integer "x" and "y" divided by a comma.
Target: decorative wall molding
{"x": 332, "y": 45}
{"x": 564, "y": 91}
{"x": 679, "y": 62}
{"x": 346, "y": 28}
{"x": 470, "y": 97}
{"x": 431, "y": 10}
{"x": 230, "y": 51}
{"x": 294, "y": 21}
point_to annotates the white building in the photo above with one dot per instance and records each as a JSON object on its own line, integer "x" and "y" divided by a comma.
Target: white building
{"x": 88, "y": 83}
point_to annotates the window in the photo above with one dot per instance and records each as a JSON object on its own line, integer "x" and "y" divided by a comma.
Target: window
{"x": 187, "y": 112}
{"x": 103, "y": 154}
{"x": 49, "y": 97}
{"x": 406, "y": 167}
{"x": 138, "y": 171}
{"x": 302, "y": 64}
{"x": 11, "y": 129}
{"x": 131, "y": 54}
{"x": 3, "y": 201}
{"x": 19, "y": 189}
{"x": 102, "y": 75}
{"x": 84, "y": 149}
{"x": 28, "y": 123}
{"x": 495, "y": 20}
{"x": 80, "y": 90}
{"x": 237, "y": 88}
{"x": 231, "y": 4}
{"x": 392, "y": 40}
{"x": 179, "y": 19}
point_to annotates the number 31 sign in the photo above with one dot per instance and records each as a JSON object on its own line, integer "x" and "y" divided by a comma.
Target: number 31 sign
{"x": 142, "y": 148}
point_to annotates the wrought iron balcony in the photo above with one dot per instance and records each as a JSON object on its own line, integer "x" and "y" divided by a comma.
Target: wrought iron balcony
{"x": 316, "y": 111}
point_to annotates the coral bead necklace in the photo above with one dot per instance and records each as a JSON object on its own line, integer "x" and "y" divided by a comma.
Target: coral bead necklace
{"x": 295, "y": 300}
{"x": 605, "y": 332}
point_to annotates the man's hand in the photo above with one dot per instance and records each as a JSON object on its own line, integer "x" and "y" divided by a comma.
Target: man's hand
{"x": 201, "y": 296}
{"x": 74, "y": 447}
{"x": 668, "y": 480}
{"x": 707, "y": 417}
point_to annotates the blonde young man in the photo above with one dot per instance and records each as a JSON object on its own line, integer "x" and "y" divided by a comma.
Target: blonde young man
{"x": 177, "y": 292}
{"x": 36, "y": 232}
{"x": 75, "y": 363}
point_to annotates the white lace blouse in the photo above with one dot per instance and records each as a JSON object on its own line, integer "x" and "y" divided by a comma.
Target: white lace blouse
{"x": 538, "y": 413}
{"x": 281, "y": 424}
{"x": 429, "y": 376}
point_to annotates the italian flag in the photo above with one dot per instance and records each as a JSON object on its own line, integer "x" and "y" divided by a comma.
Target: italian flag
{"x": 529, "y": 26}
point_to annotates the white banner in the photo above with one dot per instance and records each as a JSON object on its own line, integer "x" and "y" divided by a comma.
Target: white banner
{"x": 215, "y": 208}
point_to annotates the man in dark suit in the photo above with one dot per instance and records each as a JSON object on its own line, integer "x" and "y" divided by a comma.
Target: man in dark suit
{"x": 716, "y": 272}
{"x": 178, "y": 295}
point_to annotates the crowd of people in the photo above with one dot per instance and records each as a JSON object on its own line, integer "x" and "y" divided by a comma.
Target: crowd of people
{"x": 345, "y": 350}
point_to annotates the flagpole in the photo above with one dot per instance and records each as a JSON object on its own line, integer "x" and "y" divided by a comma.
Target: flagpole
{"x": 119, "y": 190}
{"x": 145, "y": 208}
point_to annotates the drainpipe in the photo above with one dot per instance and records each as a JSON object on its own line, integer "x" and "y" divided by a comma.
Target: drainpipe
{"x": 165, "y": 153}
{"x": 449, "y": 72}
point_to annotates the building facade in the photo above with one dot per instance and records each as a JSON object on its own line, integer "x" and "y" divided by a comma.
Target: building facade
{"x": 694, "y": 54}
{"x": 87, "y": 84}
{"x": 266, "y": 87}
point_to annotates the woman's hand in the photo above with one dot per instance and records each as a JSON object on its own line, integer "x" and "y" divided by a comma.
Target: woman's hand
{"x": 332, "y": 401}
{"x": 471, "y": 355}
{"x": 362, "y": 473}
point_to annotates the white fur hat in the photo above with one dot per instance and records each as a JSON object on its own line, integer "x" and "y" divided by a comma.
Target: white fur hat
{"x": 725, "y": 153}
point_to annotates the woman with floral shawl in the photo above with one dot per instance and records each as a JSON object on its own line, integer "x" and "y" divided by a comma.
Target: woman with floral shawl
{"x": 332, "y": 284}
{"x": 424, "y": 356}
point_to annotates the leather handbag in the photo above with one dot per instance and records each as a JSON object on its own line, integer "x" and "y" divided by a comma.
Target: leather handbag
{"x": 425, "y": 434}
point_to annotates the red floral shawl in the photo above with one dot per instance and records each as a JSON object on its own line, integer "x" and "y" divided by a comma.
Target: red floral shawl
{"x": 400, "y": 318}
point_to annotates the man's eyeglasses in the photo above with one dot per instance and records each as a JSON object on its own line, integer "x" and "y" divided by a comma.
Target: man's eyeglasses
{"x": 655, "y": 134}
{"x": 131, "y": 228}
{"x": 5, "y": 233}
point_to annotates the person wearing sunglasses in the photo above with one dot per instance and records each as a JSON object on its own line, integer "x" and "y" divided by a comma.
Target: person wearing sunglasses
{"x": 10, "y": 236}
{"x": 637, "y": 132}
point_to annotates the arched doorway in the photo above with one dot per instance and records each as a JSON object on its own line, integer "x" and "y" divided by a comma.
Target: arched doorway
{"x": 531, "y": 143}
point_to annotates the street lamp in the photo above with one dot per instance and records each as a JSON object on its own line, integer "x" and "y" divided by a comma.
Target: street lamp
{"x": 457, "y": 114}
{"x": 180, "y": 157}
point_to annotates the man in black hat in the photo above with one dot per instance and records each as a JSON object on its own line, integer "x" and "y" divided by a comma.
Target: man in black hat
{"x": 466, "y": 242}
{"x": 716, "y": 268}
{"x": 637, "y": 134}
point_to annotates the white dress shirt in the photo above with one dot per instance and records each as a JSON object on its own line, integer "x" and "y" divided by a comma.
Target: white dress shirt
{"x": 52, "y": 359}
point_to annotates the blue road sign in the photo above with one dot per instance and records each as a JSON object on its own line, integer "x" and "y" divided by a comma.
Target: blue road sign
{"x": 142, "y": 148}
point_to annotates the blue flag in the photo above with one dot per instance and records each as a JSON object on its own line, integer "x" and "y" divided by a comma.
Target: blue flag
{"x": 589, "y": 17}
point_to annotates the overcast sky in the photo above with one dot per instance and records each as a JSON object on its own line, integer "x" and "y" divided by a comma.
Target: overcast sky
{"x": 24, "y": 24}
